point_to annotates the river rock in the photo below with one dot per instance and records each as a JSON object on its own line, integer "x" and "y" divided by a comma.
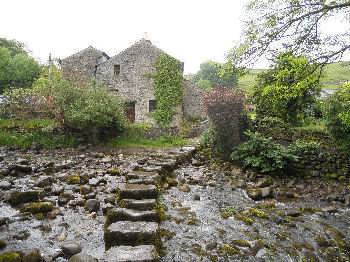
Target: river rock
{"x": 92, "y": 205}
{"x": 44, "y": 181}
{"x": 31, "y": 255}
{"x": 70, "y": 248}
{"x": 85, "y": 189}
{"x": 142, "y": 253}
{"x": 5, "y": 185}
{"x": 82, "y": 258}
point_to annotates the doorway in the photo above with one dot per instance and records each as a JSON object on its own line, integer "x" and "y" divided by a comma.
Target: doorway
{"x": 130, "y": 111}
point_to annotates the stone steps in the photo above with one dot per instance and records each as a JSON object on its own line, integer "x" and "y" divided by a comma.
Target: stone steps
{"x": 138, "y": 191}
{"x": 129, "y": 233}
{"x": 132, "y": 232}
{"x": 125, "y": 214}
{"x": 142, "y": 205}
{"x": 142, "y": 253}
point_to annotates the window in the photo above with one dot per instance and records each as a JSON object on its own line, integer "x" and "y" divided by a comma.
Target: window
{"x": 152, "y": 105}
{"x": 116, "y": 70}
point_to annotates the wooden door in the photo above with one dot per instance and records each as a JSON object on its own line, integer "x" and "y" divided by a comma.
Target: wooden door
{"x": 130, "y": 111}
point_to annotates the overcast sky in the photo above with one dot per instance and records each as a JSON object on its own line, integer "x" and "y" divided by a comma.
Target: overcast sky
{"x": 191, "y": 30}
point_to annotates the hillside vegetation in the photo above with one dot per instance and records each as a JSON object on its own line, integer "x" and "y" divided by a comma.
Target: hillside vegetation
{"x": 335, "y": 74}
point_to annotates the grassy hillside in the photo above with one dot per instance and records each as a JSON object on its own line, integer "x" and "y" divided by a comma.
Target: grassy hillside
{"x": 334, "y": 75}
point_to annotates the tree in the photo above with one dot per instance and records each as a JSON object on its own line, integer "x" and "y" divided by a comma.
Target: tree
{"x": 13, "y": 46}
{"x": 295, "y": 25}
{"x": 338, "y": 116}
{"x": 287, "y": 90}
{"x": 17, "y": 70}
{"x": 213, "y": 74}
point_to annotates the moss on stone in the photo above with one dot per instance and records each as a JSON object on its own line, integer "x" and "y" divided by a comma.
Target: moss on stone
{"x": 228, "y": 250}
{"x": 161, "y": 210}
{"x": 115, "y": 171}
{"x": 37, "y": 207}
{"x": 73, "y": 179}
{"x": 164, "y": 233}
{"x": 247, "y": 220}
{"x": 241, "y": 243}
{"x": 258, "y": 213}
{"x": 17, "y": 198}
{"x": 10, "y": 257}
{"x": 227, "y": 212}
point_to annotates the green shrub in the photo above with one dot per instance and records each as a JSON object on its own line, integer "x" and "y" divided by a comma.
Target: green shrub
{"x": 90, "y": 110}
{"x": 262, "y": 154}
{"x": 301, "y": 147}
{"x": 208, "y": 138}
{"x": 288, "y": 89}
{"x": 269, "y": 122}
{"x": 338, "y": 116}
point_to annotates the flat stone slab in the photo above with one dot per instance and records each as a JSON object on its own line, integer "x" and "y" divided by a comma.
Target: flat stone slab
{"x": 143, "y": 204}
{"x": 143, "y": 253}
{"x": 136, "y": 191}
{"x": 142, "y": 175}
{"x": 145, "y": 181}
{"x": 129, "y": 233}
{"x": 152, "y": 168}
{"x": 125, "y": 214}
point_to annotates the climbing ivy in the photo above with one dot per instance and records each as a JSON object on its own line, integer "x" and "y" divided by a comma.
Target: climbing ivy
{"x": 168, "y": 89}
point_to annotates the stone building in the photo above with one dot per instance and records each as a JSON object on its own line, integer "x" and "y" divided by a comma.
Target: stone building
{"x": 127, "y": 74}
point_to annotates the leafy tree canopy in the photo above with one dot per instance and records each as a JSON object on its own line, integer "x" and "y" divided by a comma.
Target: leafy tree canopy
{"x": 214, "y": 74}
{"x": 17, "y": 68}
{"x": 13, "y": 46}
{"x": 295, "y": 25}
{"x": 288, "y": 89}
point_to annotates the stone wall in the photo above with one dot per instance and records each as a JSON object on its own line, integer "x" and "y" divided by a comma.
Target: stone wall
{"x": 193, "y": 101}
{"x": 133, "y": 82}
{"x": 80, "y": 68}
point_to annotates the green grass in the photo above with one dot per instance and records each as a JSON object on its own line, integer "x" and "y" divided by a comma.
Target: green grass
{"x": 139, "y": 142}
{"x": 334, "y": 75}
{"x": 43, "y": 139}
{"x": 27, "y": 124}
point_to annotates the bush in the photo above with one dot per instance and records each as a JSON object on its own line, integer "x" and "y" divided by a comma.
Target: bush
{"x": 208, "y": 138}
{"x": 268, "y": 123}
{"x": 90, "y": 110}
{"x": 225, "y": 108}
{"x": 301, "y": 147}
{"x": 262, "y": 154}
{"x": 338, "y": 116}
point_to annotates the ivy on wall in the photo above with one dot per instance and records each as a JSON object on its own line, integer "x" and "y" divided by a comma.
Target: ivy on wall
{"x": 168, "y": 89}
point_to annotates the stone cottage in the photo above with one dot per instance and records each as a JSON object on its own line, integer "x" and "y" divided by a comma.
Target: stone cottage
{"x": 127, "y": 75}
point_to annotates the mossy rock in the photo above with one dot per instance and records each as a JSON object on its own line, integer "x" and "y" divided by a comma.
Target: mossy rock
{"x": 247, "y": 220}
{"x": 73, "y": 180}
{"x": 31, "y": 256}
{"x": 2, "y": 244}
{"x": 17, "y": 198}
{"x": 228, "y": 250}
{"x": 258, "y": 213}
{"x": 227, "y": 212}
{"x": 114, "y": 171}
{"x": 10, "y": 257}
{"x": 37, "y": 207}
{"x": 241, "y": 243}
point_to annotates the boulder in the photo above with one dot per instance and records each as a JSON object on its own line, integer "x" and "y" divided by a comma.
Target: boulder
{"x": 16, "y": 197}
{"x": 82, "y": 258}
{"x": 70, "y": 248}
{"x": 92, "y": 205}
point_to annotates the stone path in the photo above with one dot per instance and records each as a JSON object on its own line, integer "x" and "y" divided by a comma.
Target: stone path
{"x": 131, "y": 230}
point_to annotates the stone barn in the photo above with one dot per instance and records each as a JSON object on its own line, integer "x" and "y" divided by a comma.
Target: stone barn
{"x": 127, "y": 75}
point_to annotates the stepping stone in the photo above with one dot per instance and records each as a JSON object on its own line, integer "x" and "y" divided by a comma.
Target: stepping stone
{"x": 143, "y": 253}
{"x": 145, "y": 181}
{"x": 125, "y": 214}
{"x": 143, "y": 175}
{"x": 143, "y": 204}
{"x": 167, "y": 164}
{"x": 131, "y": 234}
{"x": 158, "y": 169}
{"x": 136, "y": 191}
